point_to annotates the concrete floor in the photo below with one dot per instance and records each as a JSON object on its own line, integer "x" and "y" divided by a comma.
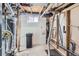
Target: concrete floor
{"x": 38, "y": 50}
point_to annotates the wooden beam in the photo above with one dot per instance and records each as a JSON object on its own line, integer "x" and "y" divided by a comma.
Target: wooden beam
{"x": 18, "y": 31}
{"x": 71, "y": 7}
{"x": 68, "y": 31}
{"x": 48, "y": 8}
{"x": 31, "y": 9}
{"x": 68, "y": 5}
{"x": 55, "y": 7}
{"x": 59, "y": 7}
{"x": 62, "y": 7}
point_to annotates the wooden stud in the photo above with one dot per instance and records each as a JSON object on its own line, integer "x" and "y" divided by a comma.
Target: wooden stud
{"x": 18, "y": 31}
{"x": 68, "y": 31}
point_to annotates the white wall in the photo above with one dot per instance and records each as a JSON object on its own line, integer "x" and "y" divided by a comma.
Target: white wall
{"x": 36, "y": 28}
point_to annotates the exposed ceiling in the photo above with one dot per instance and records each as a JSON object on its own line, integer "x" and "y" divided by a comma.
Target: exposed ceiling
{"x": 41, "y": 8}
{"x": 25, "y": 7}
{"x": 34, "y": 8}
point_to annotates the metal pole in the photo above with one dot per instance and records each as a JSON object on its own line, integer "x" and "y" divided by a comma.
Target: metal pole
{"x": 57, "y": 31}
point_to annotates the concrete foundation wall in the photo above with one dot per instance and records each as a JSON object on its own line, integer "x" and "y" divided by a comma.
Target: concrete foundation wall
{"x": 37, "y": 28}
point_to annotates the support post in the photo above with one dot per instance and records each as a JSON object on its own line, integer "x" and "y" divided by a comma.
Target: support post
{"x": 68, "y": 31}
{"x": 57, "y": 31}
{"x": 18, "y": 31}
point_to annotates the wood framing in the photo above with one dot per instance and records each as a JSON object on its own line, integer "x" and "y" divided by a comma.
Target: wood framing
{"x": 68, "y": 31}
{"x": 18, "y": 31}
{"x": 71, "y": 7}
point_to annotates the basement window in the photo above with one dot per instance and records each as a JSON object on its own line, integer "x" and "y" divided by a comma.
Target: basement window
{"x": 35, "y": 19}
{"x": 32, "y": 19}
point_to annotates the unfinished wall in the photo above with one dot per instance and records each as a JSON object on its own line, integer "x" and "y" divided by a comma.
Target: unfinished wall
{"x": 62, "y": 21}
{"x": 74, "y": 29}
{"x": 37, "y": 28}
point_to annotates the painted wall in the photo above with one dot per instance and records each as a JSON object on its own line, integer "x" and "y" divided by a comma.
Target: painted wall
{"x": 37, "y": 28}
